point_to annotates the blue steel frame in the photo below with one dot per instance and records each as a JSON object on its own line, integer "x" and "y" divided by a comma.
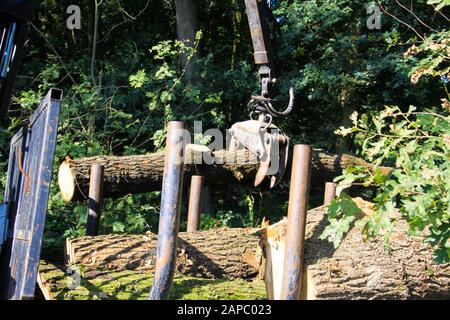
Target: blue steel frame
{"x": 28, "y": 186}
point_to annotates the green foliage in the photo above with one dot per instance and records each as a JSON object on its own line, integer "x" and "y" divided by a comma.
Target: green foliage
{"x": 339, "y": 66}
{"x": 417, "y": 146}
{"x": 222, "y": 219}
{"x": 139, "y": 79}
{"x": 341, "y": 213}
{"x": 439, "y": 3}
{"x": 117, "y": 102}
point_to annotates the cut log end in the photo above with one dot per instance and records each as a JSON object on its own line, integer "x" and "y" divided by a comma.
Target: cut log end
{"x": 66, "y": 181}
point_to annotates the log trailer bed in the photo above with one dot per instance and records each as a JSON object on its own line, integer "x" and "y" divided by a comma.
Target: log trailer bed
{"x": 246, "y": 263}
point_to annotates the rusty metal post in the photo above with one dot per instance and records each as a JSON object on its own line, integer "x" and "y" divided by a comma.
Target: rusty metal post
{"x": 195, "y": 203}
{"x": 95, "y": 199}
{"x": 169, "y": 219}
{"x": 330, "y": 193}
{"x": 295, "y": 234}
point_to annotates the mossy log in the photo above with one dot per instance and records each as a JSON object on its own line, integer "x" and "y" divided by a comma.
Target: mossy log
{"x": 212, "y": 254}
{"x": 143, "y": 173}
{"x": 358, "y": 269}
{"x": 81, "y": 283}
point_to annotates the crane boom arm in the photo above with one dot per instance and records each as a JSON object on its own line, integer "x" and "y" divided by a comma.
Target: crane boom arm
{"x": 261, "y": 22}
{"x": 260, "y": 19}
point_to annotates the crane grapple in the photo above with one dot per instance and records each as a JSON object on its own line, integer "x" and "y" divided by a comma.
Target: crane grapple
{"x": 259, "y": 134}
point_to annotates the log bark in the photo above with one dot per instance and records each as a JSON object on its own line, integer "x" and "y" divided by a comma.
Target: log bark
{"x": 143, "y": 173}
{"x": 360, "y": 269}
{"x": 213, "y": 254}
{"x": 59, "y": 283}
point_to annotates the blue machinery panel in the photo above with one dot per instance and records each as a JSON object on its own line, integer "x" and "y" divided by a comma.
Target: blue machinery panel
{"x": 14, "y": 16}
{"x": 27, "y": 191}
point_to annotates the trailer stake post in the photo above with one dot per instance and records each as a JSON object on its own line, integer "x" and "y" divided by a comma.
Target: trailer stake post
{"x": 169, "y": 219}
{"x": 195, "y": 204}
{"x": 330, "y": 193}
{"x": 95, "y": 199}
{"x": 295, "y": 234}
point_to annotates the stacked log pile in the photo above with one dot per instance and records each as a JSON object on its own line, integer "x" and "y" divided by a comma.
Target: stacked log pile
{"x": 356, "y": 270}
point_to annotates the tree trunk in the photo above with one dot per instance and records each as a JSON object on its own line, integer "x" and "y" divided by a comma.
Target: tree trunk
{"x": 90, "y": 29}
{"x": 139, "y": 174}
{"x": 207, "y": 202}
{"x": 213, "y": 254}
{"x": 186, "y": 29}
{"x": 343, "y": 144}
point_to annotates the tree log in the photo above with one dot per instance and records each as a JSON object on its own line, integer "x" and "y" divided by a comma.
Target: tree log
{"x": 213, "y": 254}
{"x": 359, "y": 269}
{"x": 59, "y": 283}
{"x": 143, "y": 173}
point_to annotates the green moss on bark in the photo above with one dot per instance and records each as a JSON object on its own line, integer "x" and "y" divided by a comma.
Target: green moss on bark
{"x": 134, "y": 285}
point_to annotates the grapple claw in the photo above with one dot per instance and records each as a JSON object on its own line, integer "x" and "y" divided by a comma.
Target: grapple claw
{"x": 268, "y": 143}
{"x": 262, "y": 173}
{"x": 283, "y": 159}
